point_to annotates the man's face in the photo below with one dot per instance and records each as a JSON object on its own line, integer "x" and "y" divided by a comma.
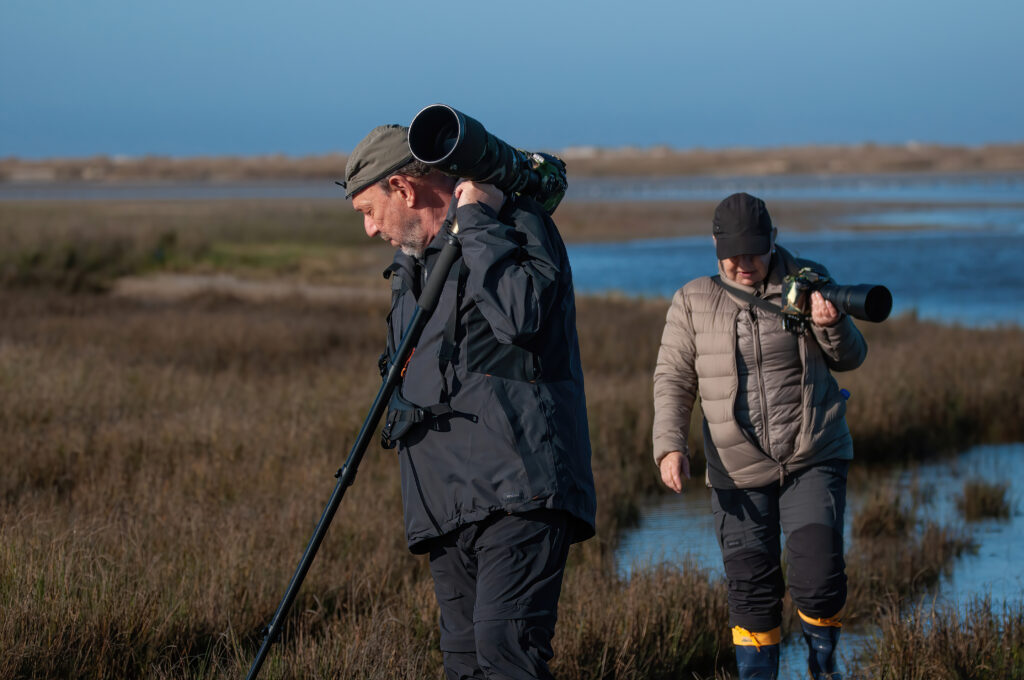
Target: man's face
{"x": 387, "y": 215}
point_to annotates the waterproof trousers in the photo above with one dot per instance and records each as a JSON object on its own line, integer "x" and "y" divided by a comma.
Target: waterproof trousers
{"x": 808, "y": 508}
{"x": 497, "y": 583}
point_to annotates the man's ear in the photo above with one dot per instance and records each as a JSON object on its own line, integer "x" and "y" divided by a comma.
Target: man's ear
{"x": 406, "y": 189}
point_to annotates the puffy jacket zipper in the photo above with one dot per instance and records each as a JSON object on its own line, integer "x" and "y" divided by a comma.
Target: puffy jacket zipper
{"x": 760, "y": 381}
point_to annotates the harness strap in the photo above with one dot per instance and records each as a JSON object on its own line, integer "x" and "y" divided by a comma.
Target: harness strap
{"x": 402, "y": 415}
{"x": 449, "y": 350}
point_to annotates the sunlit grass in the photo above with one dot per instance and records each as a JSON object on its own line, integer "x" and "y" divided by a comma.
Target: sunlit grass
{"x": 165, "y": 461}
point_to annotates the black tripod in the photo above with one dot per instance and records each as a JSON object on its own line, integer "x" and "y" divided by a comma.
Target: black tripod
{"x": 425, "y": 306}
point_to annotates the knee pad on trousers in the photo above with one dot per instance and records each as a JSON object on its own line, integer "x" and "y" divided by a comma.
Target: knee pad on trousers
{"x": 757, "y": 654}
{"x": 816, "y": 571}
{"x": 822, "y": 636}
{"x": 756, "y": 588}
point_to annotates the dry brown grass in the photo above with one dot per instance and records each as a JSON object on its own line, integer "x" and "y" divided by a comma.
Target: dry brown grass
{"x": 928, "y": 388}
{"x": 165, "y": 464}
{"x": 164, "y": 168}
{"x": 895, "y": 553}
{"x": 85, "y": 246}
{"x": 165, "y": 461}
{"x": 859, "y": 158}
{"x": 983, "y": 500}
{"x": 978, "y": 641}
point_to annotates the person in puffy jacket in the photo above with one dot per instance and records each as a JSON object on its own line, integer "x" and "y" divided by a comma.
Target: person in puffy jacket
{"x": 775, "y": 434}
{"x": 490, "y": 419}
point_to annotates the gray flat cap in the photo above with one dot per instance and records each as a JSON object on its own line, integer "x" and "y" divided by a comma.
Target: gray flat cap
{"x": 382, "y": 152}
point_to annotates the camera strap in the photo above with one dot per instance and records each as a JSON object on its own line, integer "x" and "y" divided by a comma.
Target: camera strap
{"x": 791, "y": 322}
{"x": 750, "y": 297}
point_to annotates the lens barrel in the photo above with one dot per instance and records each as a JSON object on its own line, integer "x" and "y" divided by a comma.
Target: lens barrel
{"x": 864, "y": 301}
{"x": 459, "y": 145}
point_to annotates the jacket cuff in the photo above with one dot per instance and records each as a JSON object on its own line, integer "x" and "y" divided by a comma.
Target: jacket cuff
{"x": 660, "y": 453}
{"x": 475, "y": 216}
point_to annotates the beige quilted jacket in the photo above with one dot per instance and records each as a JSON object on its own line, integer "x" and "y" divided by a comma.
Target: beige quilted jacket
{"x": 770, "y": 403}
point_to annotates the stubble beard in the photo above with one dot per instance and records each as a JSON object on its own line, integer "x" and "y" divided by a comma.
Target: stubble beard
{"x": 412, "y": 241}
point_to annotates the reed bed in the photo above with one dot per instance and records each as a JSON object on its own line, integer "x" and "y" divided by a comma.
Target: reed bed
{"x": 166, "y": 463}
{"x": 166, "y": 460}
{"x": 975, "y": 641}
{"x": 85, "y": 246}
{"x": 896, "y": 552}
{"x": 981, "y": 499}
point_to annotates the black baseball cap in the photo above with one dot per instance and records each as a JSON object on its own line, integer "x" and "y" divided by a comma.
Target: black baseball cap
{"x": 742, "y": 226}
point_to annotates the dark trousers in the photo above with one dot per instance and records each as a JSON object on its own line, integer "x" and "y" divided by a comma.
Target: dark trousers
{"x": 497, "y": 582}
{"x": 808, "y": 508}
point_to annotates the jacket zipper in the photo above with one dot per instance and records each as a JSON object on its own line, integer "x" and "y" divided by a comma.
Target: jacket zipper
{"x": 760, "y": 381}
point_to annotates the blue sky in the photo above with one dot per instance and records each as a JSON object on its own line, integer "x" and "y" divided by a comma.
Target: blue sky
{"x": 191, "y": 77}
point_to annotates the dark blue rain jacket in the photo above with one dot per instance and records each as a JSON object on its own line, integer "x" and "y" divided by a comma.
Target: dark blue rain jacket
{"x": 495, "y": 383}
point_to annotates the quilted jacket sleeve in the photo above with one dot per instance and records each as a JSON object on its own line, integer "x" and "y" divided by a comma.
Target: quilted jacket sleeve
{"x": 675, "y": 381}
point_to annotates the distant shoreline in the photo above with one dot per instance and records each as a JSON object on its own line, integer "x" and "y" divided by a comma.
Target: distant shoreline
{"x": 582, "y": 161}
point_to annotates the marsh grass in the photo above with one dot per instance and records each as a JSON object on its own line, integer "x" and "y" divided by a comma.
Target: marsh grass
{"x": 85, "y": 246}
{"x": 983, "y": 500}
{"x": 663, "y": 623}
{"x": 977, "y": 641}
{"x": 896, "y": 551}
{"x": 165, "y": 462}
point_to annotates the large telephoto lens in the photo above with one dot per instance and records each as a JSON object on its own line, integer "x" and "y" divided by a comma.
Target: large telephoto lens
{"x": 439, "y": 135}
{"x": 864, "y": 301}
{"x": 459, "y": 145}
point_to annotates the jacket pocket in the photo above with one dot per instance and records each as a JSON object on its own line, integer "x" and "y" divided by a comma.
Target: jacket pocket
{"x": 402, "y": 417}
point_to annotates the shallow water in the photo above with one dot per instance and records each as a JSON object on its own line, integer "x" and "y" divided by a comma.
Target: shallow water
{"x": 1005, "y": 187}
{"x": 674, "y": 528}
{"x": 881, "y": 187}
{"x": 968, "y": 275}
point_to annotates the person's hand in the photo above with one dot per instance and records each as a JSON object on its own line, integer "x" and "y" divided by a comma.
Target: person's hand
{"x": 674, "y": 468}
{"x": 823, "y": 312}
{"x": 467, "y": 192}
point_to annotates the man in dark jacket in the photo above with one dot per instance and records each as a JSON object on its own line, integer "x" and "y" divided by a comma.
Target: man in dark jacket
{"x": 490, "y": 419}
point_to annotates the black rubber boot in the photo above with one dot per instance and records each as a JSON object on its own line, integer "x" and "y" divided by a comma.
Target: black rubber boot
{"x": 821, "y": 650}
{"x": 756, "y": 663}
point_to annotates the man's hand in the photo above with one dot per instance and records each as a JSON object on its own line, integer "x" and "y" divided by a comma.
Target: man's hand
{"x": 674, "y": 468}
{"x": 823, "y": 312}
{"x": 467, "y": 192}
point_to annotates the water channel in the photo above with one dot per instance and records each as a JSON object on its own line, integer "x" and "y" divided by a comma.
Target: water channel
{"x": 679, "y": 528}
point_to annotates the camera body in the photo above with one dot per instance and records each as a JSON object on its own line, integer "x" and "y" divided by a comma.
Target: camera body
{"x": 458, "y": 145}
{"x": 864, "y": 301}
